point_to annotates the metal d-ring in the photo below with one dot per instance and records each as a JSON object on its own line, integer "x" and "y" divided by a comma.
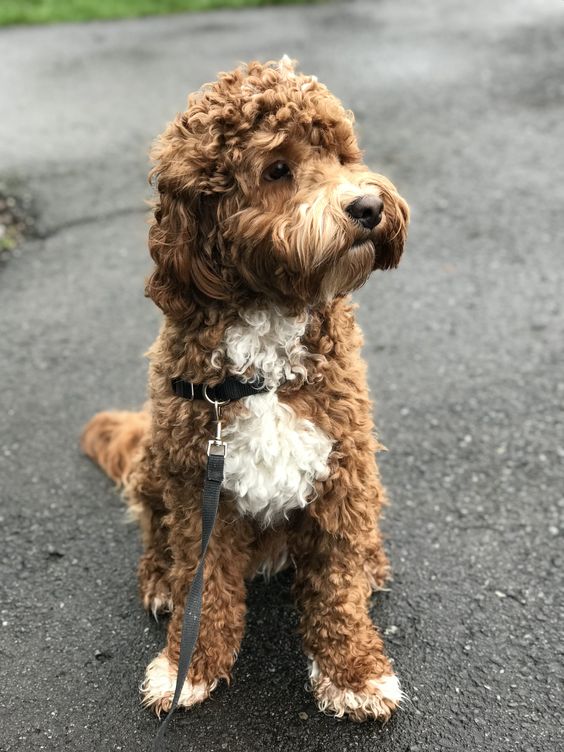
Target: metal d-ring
{"x": 217, "y": 404}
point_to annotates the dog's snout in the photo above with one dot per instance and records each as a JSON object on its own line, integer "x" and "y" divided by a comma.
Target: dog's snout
{"x": 367, "y": 210}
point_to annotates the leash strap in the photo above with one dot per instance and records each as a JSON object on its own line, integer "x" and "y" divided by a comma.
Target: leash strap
{"x": 191, "y": 623}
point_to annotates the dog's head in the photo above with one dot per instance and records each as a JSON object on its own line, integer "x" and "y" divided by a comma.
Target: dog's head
{"x": 263, "y": 194}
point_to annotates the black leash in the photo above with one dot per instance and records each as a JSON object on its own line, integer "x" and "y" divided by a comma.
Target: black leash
{"x": 191, "y": 622}
{"x": 230, "y": 389}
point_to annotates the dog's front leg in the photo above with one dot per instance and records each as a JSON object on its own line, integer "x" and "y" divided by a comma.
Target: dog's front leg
{"x": 223, "y": 607}
{"x": 349, "y": 671}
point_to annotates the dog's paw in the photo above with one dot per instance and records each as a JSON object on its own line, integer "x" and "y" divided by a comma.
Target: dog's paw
{"x": 154, "y": 588}
{"x": 157, "y": 689}
{"x": 158, "y": 603}
{"x": 378, "y": 699}
{"x": 156, "y": 597}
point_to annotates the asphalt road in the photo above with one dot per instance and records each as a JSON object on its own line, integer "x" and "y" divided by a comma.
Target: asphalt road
{"x": 462, "y": 105}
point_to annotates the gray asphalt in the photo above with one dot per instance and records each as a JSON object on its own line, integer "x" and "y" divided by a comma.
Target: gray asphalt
{"x": 462, "y": 104}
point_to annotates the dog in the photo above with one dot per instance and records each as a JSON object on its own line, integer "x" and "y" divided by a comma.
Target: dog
{"x": 266, "y": 220}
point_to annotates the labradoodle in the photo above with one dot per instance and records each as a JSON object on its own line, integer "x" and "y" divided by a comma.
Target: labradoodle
{"x": 266, "y": 219}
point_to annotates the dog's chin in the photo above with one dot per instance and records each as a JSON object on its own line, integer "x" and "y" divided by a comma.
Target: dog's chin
{"x": 358, "y": 262}
{"x": 340, "y": 273}
{"x": 350, "y": 271}
{"x": 362, "y": 246}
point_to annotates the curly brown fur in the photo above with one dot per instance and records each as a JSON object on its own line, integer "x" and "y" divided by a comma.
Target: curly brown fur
{"x": 255, "y": 251}
{"x": 113, "y": 439}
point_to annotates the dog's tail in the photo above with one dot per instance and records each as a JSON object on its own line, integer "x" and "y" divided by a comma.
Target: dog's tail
{"x": 112, "y": 439}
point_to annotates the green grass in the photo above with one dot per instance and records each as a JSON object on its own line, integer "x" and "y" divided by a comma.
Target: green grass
{"x": 49, "y": 11}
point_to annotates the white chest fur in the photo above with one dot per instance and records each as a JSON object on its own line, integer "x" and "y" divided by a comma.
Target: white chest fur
{"x": 274, "y": 457}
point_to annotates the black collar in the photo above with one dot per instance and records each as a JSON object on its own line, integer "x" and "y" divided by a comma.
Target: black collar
{"x": 228, "y": 391}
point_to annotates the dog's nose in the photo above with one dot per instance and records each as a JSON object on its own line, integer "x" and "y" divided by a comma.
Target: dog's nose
{"x": 367, "y": 210}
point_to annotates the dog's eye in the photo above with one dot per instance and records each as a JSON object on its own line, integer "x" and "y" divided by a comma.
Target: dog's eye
{"x": 277, "y": 171}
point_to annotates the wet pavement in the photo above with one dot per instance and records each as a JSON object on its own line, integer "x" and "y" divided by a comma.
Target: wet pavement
{"x": 462, "y": 106}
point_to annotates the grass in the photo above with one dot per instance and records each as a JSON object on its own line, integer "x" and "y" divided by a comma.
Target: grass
{"x": 49, "y": 11}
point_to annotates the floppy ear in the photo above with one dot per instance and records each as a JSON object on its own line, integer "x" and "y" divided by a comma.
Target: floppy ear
{"x": 397, "y": 219}
{"x": 183, "y": 235}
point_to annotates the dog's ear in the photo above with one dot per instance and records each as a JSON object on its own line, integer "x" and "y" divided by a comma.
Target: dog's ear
{"x": 396, "y": 210}
{"x": 183, "y": 235}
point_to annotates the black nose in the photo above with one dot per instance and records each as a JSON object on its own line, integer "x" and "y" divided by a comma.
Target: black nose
{"x": 367, "y": 210}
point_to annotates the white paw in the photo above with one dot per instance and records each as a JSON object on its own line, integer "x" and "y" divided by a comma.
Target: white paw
{"x": 157, "y": 689}
{"x": 378, "y": 699}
